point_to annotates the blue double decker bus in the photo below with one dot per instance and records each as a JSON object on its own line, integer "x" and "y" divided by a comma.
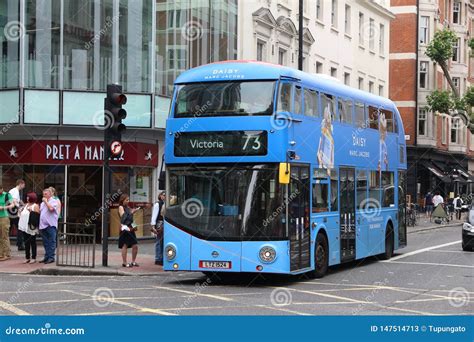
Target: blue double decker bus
{"x": 273, "y": 170}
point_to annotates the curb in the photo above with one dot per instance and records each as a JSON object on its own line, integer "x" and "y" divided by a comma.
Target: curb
{"x": 435, "y": 227}
{"x": 90, "y": 272}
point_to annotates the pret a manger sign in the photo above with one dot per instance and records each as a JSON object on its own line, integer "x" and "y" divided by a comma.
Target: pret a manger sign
{"x": 77, "y": 152}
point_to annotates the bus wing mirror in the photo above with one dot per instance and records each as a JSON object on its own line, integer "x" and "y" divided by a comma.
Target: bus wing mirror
{"x": 284, "y": 173}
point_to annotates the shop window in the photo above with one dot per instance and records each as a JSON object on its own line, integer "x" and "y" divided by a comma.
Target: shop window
{"x": 138, "y": 109}
{"x": 162, "y": 109}
{"x": 83, "y": 108}
{"x": 41, "y": 107}
{"x": 9, "y": 110}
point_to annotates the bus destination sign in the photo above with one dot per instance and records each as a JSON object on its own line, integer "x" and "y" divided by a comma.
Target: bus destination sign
{"x": 215, "y": 144}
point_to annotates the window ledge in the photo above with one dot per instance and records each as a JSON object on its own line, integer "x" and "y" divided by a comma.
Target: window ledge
{"x": 334, "y": 29}
{"x": 382, "y": 56}
{"x": 362, "y": 47}
{"x": 372, "y": 52}
{"x": 320, "y": 22}
{"x": 348, "y": 35}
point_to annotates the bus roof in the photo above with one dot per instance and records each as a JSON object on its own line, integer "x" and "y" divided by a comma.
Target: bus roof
{"x": 239, "y": 70}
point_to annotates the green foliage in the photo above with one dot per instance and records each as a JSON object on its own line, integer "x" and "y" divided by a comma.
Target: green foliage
{"x": 469, "y": 97}
{"x": 440, "y": 48}
{"x": 471, "y": 44}
{"x": 440, "y": 101}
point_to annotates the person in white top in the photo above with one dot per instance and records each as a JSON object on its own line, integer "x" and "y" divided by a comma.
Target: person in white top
{"x": 437, "y": 199}
{"x": 13, "y": 213}
{"x": 457, "y": 203}
{"x": 28, "y": 226}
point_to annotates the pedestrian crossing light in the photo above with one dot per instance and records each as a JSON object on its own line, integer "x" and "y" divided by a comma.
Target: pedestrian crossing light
{"x": 114, "y": 113}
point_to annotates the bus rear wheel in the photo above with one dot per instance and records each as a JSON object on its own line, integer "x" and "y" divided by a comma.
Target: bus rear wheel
{"x": 389, "y": 243}
{"x": 321, "y": 257}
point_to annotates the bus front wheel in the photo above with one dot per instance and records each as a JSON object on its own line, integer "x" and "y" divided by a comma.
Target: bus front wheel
{"x": 321, "y": 257}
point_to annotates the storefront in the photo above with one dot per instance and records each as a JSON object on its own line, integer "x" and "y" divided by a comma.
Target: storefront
{"x": 74, "y": 169}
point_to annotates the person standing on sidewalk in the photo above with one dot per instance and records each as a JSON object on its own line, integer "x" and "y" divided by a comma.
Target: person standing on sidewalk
{"x": 28, "y": 226}
{"x": 5, "y": 204}
{"x": 48, "y": 225}
{"x": 457, "y": 202}
{"x": 428, "y": 204}
{"x": 157, "y": 218}
{"x": 127, "y": 238}
{"x": 14, "y": 217}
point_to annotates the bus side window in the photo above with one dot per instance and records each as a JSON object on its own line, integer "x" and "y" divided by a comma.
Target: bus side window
{"x": 284, "y": 99}
{"x": 373, "y": 117}
{"x": 374, "y": 190}
{"x": 361, "y": 189}
{"x": 334, "y": 191}
{"x": 328, "y": 106}
{"x": 320, "y": 191}
{"x": 395, "y": 124}
{"x": 310, "y": 102}
{"x": 389, "y": 118}
{"x": 298, "y": 100}
{"x": 345, "y": 111}
{"x": 388, "y": 197}
{"x": 360, "y": 119}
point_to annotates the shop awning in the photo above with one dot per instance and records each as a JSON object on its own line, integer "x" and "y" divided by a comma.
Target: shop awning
{"x": 437, "y": 172}
{"x": 467, "y": 177}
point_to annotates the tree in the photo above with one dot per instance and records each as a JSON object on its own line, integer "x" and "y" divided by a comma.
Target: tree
{"x": 440, "y": 101}
{"x": 440, "y": 50}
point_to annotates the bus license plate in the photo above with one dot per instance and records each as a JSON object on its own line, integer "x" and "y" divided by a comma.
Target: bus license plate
{"x": 215, "y": 264}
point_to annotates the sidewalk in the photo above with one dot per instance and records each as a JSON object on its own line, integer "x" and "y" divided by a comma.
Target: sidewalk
{"x": 425, "y": 224}
{"x": 145, "y": 258}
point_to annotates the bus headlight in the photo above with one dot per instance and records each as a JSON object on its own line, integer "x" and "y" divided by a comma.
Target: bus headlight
{"x": 170, "y": 252}
{"x": 267, "y": 254}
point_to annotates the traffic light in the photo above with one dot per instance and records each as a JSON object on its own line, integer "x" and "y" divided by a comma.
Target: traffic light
{"x": 114, "y": 113}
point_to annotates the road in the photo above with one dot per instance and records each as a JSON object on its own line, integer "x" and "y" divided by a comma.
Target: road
{"x": 431, "y": 276}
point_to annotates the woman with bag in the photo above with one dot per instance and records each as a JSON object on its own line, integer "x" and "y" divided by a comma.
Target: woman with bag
{"x": 28, "y": 226}
{"x": 127, "y": 238}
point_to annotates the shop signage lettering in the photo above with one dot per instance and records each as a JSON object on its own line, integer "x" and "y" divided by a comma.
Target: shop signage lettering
{"x": 78, "y": 152}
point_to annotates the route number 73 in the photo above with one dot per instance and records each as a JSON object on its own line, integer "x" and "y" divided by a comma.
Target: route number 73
{"x": 253, "y": 141}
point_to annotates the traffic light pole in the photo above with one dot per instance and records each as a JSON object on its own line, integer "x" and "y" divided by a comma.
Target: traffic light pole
{"x": 106, "y": 204}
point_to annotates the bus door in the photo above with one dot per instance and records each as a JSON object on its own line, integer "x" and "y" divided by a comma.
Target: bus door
{"x": 347, "y": 214}
{"x": 402, "y": 207}
{"x": 299, "y": 218}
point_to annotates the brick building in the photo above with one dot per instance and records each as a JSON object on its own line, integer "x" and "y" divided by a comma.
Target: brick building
{"x": 440, "y": 148}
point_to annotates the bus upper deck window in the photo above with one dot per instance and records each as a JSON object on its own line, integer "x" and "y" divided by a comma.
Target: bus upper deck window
{"x": 389, "y": 118}
{"x": 284, "y": 100}
{"x": 328, "y": 106}
{"x": 360, "y": 119}
{"x": 298, "y": 100}
{"x": 345, "y": 110}
{"x": 373, "y": 117}
{"x": 310, "y": 102}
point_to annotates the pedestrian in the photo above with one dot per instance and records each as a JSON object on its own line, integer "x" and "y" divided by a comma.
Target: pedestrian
{"x": 157, "y": 218}
{"x": 127, "y": 238}
{"x": 457, "y": 202}
{"x": 14, "y": 211}
{"x": 55, "y": 196}
{"x": 428, "y": 204}
{"x": 437, "y": 199}
{"x": 5, "y": 205}
{"x": 48, "y": 225}
{"x": 28, "y": 226}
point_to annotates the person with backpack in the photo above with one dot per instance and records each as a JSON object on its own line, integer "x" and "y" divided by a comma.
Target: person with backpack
{"x": 157, "y": 218}
{"x": 28, "y": 226}
{"x": 457, "y": 206}
{"x": 428, "y": 204}
{"x": 6, "y": 204}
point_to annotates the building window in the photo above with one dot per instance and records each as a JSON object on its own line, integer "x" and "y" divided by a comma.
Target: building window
{"x": 423, "y": 75}
{"x": 456, "y": 12}
{"x": 456, "y": 125}
{"x": 456, "y": 48}
{"x": 371, "y": 34}
{"x": 347, "y": 20}
{"x": 424, "y": 29}
{"x": 260, "y": 50}
{"x": 361, "y": 28}
{"x": 282, "y": 56}
{"x": 381, "y": 90}
{"x": 422, "y": 116}
{"x": 319, "y": 10}
{"x": 382, "y": 39}
{"x": 456, "y": 81}
{"x": 333, "y": 72}
{"x": 371, "y": 86}
{"x": 361, "y": 83}
{"x": 319, "y": 67}
{"x": 334, "y": 13}
{"x": 347, "y": 78}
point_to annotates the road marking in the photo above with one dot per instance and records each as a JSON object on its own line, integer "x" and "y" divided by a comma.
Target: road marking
{"x": 327, "y": 295}
{"x": 106, "y": 313}
{"x": 418, "y": 251}
{"x": 282, "y": 308}
{"x": 430, "y": 264}
{"x": 195, "y": 293}
{"x": 13, "y": 309}
{"x": 120, "y": 302}
{"x": 447, "y": 251}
